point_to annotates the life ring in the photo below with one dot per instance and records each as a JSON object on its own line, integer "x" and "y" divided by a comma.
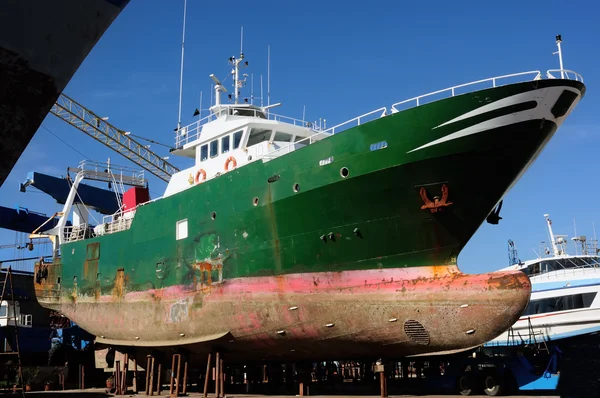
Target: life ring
{"x": 201, "y": 171}
{"x": 230, "y": 159}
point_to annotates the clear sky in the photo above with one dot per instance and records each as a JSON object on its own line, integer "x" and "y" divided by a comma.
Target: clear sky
{"x": 340, "y": 60}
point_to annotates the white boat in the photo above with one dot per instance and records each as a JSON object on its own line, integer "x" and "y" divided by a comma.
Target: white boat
{"x": 564, "y": 299}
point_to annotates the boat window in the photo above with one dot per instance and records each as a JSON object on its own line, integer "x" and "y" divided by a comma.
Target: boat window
{"x": 282, "y": 137}
{"x": 562, "y": 303}
{"x": 214, "y": 148}
{"x": 248, "y": 112}
{"x": 3, "y": 311}
{"x": 225, "y": 144}
{"x": 299, "y": 138}
{"x": 258, "y": 135}
{"x": 237, "y": 139}
{"x": 204, "y": 152}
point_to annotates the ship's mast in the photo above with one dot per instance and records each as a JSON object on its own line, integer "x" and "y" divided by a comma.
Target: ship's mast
{"x": 559, "y": 52}
{"x": 237, "y": 83}
{"x": 552, "y": 240}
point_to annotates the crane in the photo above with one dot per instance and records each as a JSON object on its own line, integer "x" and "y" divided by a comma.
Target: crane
{"x": 118, "y": 140}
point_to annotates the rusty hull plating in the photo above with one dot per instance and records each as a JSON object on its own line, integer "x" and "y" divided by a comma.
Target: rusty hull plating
{"x": 387, "y": 312}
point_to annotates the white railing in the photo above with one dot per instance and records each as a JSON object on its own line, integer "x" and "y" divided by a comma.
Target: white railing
{"x": 116, "y": 223}
{"x": 76, "y": 232}
{"x": 192, "y": 131}
{"x": 358, "y": 120}
{"x": 452, "y": 91}
{"x": 566, "y": 74}
{"x": 291, "y": 120}
{"x": 292, "y": 147}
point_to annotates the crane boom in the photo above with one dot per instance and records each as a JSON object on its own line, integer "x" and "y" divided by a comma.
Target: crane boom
{"x": 87, "y": 121}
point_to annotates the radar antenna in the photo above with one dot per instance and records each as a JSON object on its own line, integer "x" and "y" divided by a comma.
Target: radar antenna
{"x": 218, "y": 88}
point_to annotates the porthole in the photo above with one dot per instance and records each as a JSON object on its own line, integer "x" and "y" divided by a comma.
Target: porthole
{"x": 344, "y": 172}
{"x": 296, "y": 187}
{"x": 255, "y": 201}
{"x": 213, "y": 215}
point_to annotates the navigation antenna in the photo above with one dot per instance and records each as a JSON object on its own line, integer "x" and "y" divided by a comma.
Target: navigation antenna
{"x": 218, "y": 88}
{"x": 181, "y": 72}
{"x": 269, "y": 75}
{"x": 237, "y": 83}
{"x": 559, "y": 52}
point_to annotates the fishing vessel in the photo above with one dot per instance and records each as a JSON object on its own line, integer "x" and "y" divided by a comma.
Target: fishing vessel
{"x": 41, "y": 47}
{"x": 564, "y": 298}
{"x": 288, "y": 240}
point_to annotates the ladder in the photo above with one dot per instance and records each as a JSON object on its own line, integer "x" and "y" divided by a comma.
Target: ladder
{"x": 7, "y": 358}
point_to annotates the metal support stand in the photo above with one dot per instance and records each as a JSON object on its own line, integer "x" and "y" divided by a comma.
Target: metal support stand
{"x": 12, "y": 324}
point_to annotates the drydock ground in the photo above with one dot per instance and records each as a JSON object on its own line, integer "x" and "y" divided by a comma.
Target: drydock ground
{"x": 98, "y": 393}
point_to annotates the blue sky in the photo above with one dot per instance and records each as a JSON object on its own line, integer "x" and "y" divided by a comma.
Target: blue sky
{"x": 340, "y": 61}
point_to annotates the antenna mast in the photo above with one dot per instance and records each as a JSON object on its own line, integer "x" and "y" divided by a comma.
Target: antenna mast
{"x": 559, "y": 52}
{"x": 237, "y": 83}
{"x": 261, "y": 92}
{"x": 181, "y": 72}
{"x": 268, "y": 75}
{"x": 200, "y": 115}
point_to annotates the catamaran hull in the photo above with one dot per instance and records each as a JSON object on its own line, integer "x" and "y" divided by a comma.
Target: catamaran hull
{"x": 362, "y": 254}
{"x": 42, "y": 44}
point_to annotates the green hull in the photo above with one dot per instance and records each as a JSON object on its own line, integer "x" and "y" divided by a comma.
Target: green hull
{"x": 372, "y": 219}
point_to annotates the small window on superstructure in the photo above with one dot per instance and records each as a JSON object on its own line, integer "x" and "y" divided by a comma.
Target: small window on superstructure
{"x": 257, "y": 136}
{"x": 203, "y": 152}
{"x": 225, "y": 144}
{"x": 237, "y": 139}
{"x": 298, "y": 138}
{"x": 214, "y": 148}
{"x": 282, "y": 137}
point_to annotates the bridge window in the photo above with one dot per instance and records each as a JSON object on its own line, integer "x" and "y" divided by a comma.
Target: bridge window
{"x": 214, "y": 148}
{"x": 203, "y": 152}
{"x": 561, "y": 303}
{"x": 3, "y": 311}
{"x": 225, "y": 144}
{"x": 258, "y": 135}
{"x": 282, "y": 137}
{"x": 237, "y": 139}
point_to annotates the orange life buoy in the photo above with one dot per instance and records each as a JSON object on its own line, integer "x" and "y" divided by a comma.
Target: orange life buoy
{"x": 230, "y": 159}
{"x": 201, "y": 171}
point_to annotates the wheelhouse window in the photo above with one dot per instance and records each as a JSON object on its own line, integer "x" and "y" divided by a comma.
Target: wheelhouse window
{"x": 225, "y": 144}
{"x": 544, "y": 266}
{"x": 203, "y": 152}
{"x": 248, "y": 112}
{"x": 258, "y": 135}
{"x": 282, "y": 137}
{"x": 214, "y": 148}
{"x": 237, "y": 139}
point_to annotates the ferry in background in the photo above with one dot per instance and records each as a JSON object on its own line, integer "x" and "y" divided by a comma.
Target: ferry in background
{"x": 564, "y": 295}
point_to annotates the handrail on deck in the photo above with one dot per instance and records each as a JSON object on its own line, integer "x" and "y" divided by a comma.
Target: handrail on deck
{"x": 357, "y": 119}
{"x": 452, "y": 90}
{"x": 566, "y": 73}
